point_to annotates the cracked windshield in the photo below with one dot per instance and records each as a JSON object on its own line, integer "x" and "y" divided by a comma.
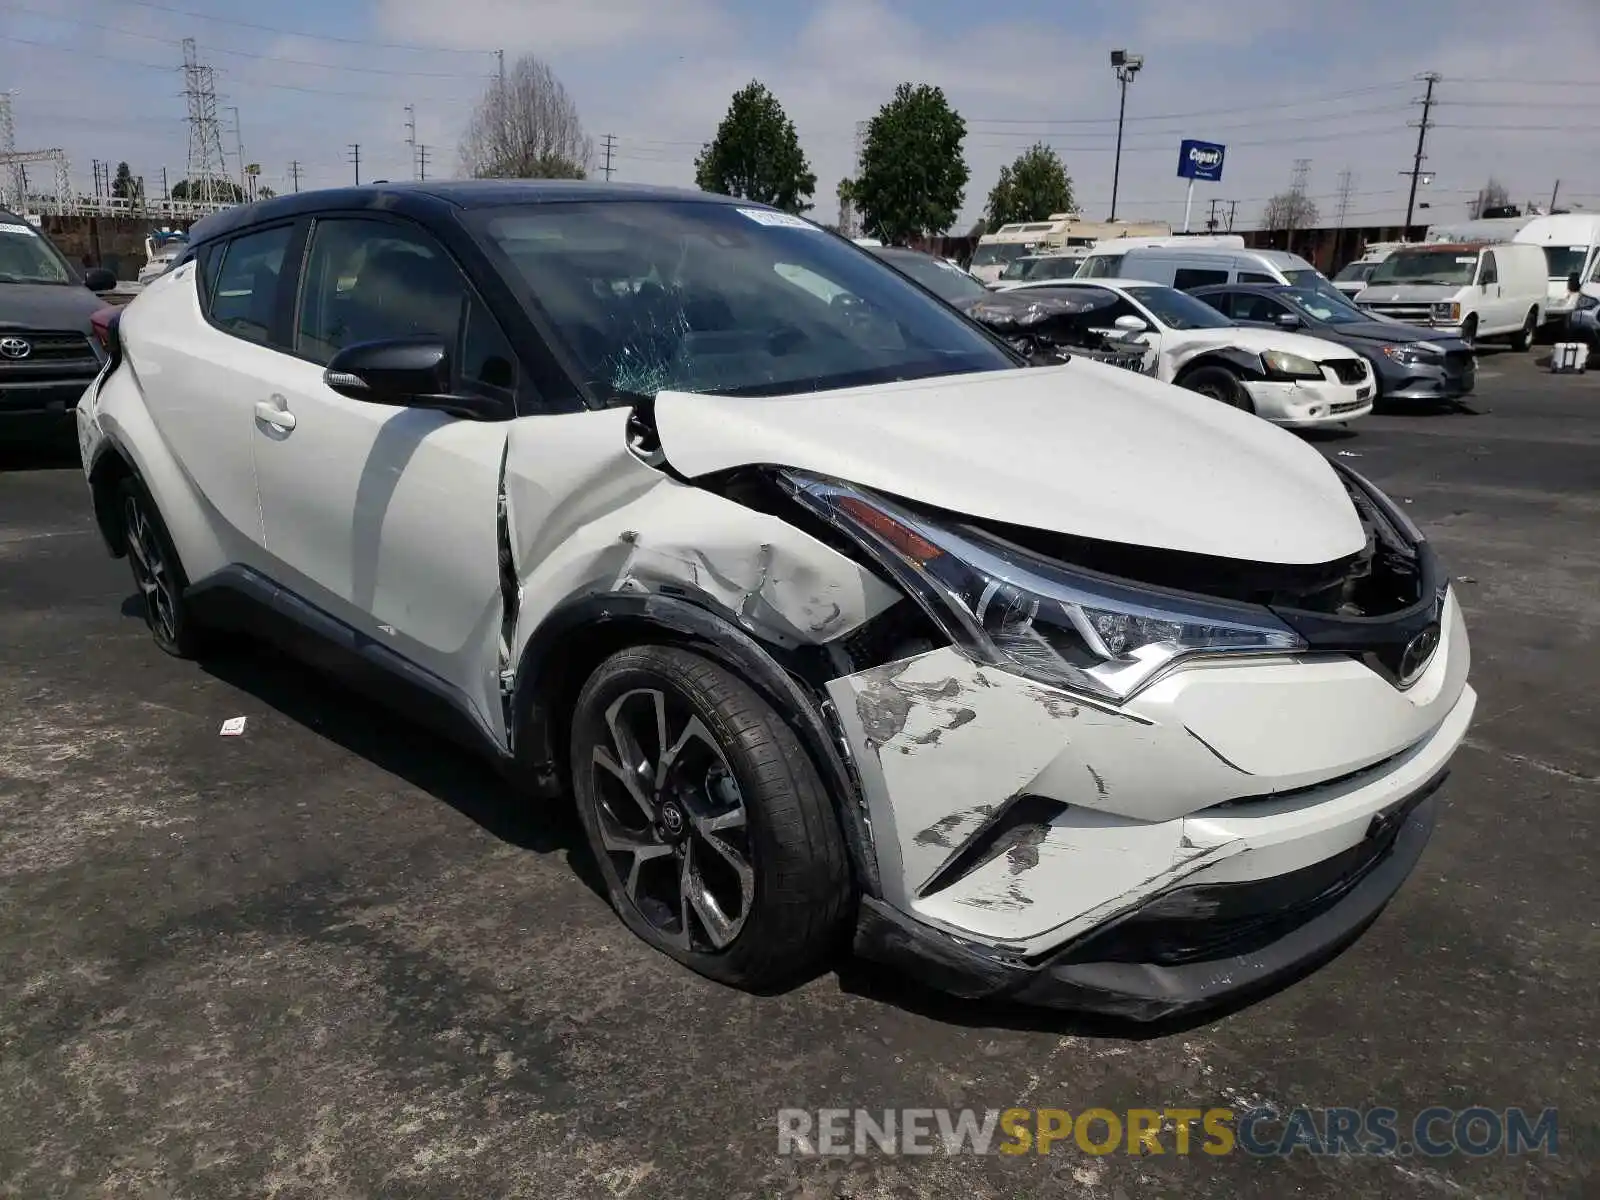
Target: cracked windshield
{"x": 725, "y": 299}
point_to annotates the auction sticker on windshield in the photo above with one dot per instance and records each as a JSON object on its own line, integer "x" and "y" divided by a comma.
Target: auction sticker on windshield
{"x": 10, "y": 227}
{"x": 781, "y": 220}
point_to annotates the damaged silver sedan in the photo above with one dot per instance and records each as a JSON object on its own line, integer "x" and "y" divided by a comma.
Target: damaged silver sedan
{"x": 834, "y": 617}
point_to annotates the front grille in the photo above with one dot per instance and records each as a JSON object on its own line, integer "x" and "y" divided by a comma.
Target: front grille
{"x": 1413, "y": 314}
{"x": 1347, "y": 407}
{"x": 50, "y": 355}
{"x": 49, "y": 347}
{"x": 1347, "y": 370}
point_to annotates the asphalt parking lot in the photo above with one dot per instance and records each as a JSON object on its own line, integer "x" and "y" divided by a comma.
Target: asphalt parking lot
{"x": 335, "y": 958}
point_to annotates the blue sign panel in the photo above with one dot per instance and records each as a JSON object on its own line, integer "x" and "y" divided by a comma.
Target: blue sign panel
{"x": 1200, "y": 160}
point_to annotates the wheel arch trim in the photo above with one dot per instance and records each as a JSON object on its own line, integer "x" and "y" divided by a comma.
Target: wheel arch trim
{"x": 601, "y": 622}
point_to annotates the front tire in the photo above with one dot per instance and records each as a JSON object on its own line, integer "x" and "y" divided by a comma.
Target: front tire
{"x": 1523, "y": 338}
{"x": 157, "y": 572}
{"x": 709, "y": 822}
{"x": 1219, "y": 384}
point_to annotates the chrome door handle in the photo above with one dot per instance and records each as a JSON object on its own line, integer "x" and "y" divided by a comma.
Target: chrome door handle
{"x": 271, "y": 414}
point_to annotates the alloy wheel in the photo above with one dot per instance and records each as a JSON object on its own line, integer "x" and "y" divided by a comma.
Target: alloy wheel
{"x": 672, "y": 820}
{"x": 150, "y": 570}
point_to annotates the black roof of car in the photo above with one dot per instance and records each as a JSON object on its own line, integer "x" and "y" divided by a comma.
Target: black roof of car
{"x": 451, "y": 193}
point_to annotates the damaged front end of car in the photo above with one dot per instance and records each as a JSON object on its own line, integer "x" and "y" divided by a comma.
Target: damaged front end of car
{"x": 1071, "y": 771}
{"x": 1050, "y": 329}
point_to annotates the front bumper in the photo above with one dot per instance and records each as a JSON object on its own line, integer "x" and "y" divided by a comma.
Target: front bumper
{"x": 1308, "y": 404}
{"x": 1205, "y": 838}
{"x": 1416, "y": 382}
{"x": 39, "y": 407}
{"x": 1192, "y": 958}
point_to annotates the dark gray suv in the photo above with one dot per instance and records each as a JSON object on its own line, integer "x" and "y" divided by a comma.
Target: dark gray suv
{"x": 48, "y": 350}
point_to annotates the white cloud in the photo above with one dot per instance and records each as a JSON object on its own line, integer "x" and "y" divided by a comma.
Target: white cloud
{"x": 1251, "y": 73}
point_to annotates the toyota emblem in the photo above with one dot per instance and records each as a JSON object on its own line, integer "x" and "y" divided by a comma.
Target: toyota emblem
{"x": 15, "y": 347}
{"x": 1418, "y": 653}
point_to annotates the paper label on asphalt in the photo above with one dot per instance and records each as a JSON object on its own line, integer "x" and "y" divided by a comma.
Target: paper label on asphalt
{"x": 779, "y": 220}
{"x": 10, "y": 227}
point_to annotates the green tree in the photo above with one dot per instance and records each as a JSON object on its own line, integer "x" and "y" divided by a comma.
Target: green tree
{"x": 224, "y": 190}
{"x": 1031, "y": 188}
{"x": 913, "y": 176}
{"x": 756, "y": 154}
{"x": 123, "y": 186}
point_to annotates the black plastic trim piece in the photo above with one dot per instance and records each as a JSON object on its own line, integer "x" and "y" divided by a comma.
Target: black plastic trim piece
{"x": 239, "y": 598}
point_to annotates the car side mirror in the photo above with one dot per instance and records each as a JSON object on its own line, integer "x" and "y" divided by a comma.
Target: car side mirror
{"x": 1131, "y": 323}
{"x": 407, "y": 373}
{"x": 98, "y": 279}
{"x": 1289, "y": 321}
{"x": 1574, "y": 284}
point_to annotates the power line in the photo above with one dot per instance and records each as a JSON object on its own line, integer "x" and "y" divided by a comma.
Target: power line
{"x": 1184, "y": 116}
{"x": 255, "y": 54}
{"x": 75, "y": 53}
{"x": 317, "y": 36}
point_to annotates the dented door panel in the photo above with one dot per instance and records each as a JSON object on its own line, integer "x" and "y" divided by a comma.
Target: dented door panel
{"x": 589, "y": 516}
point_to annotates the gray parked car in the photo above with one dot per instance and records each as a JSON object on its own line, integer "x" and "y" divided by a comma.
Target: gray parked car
{"x": 48, "y": 350}
{"x": 1410, "y": 362}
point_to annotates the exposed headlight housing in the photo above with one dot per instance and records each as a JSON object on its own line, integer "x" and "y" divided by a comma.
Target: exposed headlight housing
{"x": 1410, "y": 354}
{"x": 1282, "y": 364}
{"x": 1445, "y": 310}
{"x": 1008, "y": 608}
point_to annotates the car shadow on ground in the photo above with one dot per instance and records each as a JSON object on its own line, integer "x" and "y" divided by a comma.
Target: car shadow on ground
{"x": 441, "y": 768}
{"x": 33, "y": 454}
{"x": 467, "y": 783}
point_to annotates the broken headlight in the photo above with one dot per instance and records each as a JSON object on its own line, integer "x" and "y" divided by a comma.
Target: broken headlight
{"x": 1006, "y": 607}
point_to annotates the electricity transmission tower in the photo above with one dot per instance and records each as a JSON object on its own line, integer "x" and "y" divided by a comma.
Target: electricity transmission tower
{"x": 411, "y": 136}
{"x": 15, "y": 193}
{"x": 610, "y": 145}
{"x": 1347, "y": 182}
{"x": 208, "y": 167}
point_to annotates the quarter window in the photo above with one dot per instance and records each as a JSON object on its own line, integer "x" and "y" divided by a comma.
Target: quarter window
{"x": 245, "y": 293}
{"x": 1255, "y": 277}
{"x": 1191, "y": 277}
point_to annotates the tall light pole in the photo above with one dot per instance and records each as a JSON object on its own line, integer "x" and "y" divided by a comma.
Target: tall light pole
{"x": 1126, "y": 66}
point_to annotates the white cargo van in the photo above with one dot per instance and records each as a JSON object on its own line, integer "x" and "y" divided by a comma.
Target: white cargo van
{"x": 1185, "y": 267}
{"x": 1570, "y": 242}
{"x": 1105, "y": 260}
{"x": 1486, "y": 290}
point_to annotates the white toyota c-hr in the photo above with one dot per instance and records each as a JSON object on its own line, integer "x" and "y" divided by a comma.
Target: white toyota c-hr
{"x": 1061, "y": 684}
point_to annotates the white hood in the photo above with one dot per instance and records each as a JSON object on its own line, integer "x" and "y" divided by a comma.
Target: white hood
{"x": 1083, "y": 449}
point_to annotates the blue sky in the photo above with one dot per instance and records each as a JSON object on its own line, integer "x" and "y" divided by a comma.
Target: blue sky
{"x": 1274, "y": 80}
